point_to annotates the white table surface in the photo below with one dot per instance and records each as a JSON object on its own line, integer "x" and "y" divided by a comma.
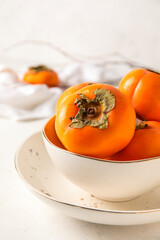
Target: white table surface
{"x": 23, "y": 216}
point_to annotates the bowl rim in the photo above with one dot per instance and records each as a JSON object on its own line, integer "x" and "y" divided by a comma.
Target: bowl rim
{"x": 93, "y": 158}
{"x": 51, "y": 198}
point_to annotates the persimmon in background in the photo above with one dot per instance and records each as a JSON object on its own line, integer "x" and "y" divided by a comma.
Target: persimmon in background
{"x": 142, "y": 87}
{"x": 41, "y": 75}
{"x": 144, "y": 144}
{"x": 95, "y": 120}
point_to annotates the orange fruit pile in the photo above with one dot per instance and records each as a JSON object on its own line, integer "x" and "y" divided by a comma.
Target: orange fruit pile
{"x": 99, "y": 120}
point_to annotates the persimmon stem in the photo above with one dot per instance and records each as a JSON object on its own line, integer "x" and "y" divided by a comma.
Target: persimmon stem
{"x": 91, "y": 111}
{"x": 151, "y": 70}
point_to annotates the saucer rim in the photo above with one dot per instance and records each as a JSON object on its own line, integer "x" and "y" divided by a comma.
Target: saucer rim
{"x": 36, "y": 191}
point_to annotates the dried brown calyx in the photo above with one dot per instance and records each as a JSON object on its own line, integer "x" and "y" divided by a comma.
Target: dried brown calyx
{"x": 39, "y": 68}
{"x": 93, "y": 112}
{"x": 141, "y": 125}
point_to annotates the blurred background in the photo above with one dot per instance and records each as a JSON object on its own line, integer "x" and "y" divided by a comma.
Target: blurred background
{"x": 85, "y": 28}
{"x": 54, "y": 32}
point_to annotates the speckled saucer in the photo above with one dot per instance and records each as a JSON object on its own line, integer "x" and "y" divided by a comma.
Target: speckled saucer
{"x": 42, "y": 178}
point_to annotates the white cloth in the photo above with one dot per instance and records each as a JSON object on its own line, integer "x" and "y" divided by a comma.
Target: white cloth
{"x": 22, "y": 101}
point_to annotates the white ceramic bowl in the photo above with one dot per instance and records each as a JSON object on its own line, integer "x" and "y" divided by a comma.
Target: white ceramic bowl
{"x": 107, "y": 180}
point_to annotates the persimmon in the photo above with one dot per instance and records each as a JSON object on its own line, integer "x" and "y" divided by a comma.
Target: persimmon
{"x": 142, "y": 87}
{"x": 144, "y": 144}
{"x": 97, "y": 120}
{"x": 41, "y": 75}
{"x": 70, "y": 91}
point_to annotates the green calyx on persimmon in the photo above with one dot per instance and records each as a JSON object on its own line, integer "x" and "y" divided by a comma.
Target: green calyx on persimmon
{"x": 93, "y": 112}
{"x": 39, "y": 68}
{"x": 141, "y": 125}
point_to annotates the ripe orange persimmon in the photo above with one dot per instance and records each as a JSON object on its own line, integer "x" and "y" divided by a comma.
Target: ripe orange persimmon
{"x": 142, "y": 87}
{"x": 97, "y": 120}
{"x": 41, "y": 75}
{"x": 144, "y": 144}
{"x": 70, "y": 91}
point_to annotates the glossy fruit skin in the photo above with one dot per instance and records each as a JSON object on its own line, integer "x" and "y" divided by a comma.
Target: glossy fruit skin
{"x": 92, "y": 141}
{"x": 48, "y": 77}
{"x": 70, "y": 91}
{"x": 142, "y": 87}
{"x": 144, "y": 144}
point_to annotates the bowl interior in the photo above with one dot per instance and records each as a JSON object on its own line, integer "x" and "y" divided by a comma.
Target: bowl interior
{"x": 50, "y": 133}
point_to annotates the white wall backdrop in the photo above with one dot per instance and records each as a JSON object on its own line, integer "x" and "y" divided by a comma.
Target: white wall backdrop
{"x": 87, "y": 27}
